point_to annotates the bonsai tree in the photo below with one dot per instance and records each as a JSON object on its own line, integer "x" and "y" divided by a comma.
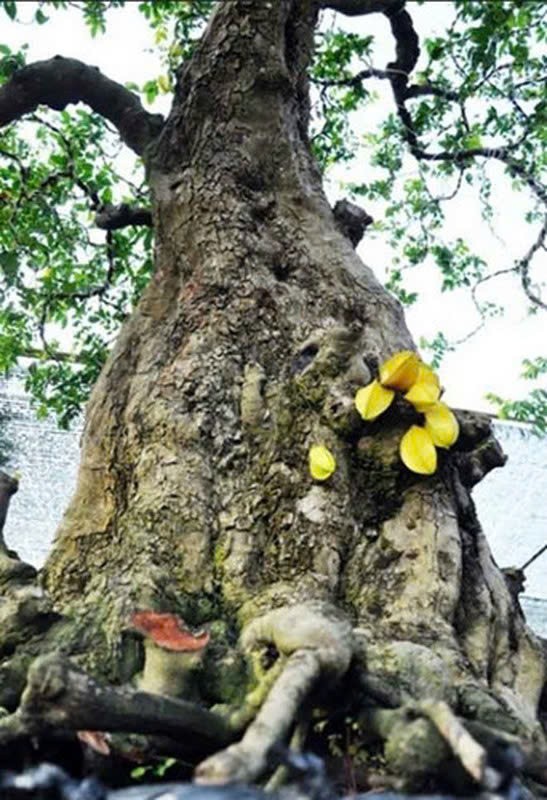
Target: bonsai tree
{"x": 268, "y": 470}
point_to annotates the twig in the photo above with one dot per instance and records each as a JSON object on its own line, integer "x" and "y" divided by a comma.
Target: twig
{"x": 536, "y": 555}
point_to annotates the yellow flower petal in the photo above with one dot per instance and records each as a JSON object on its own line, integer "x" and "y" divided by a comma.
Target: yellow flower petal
{"x": 322, "y": 462}
{"x": 426, "y": 375}
{"x": 372, "y": 400}
{"x": 423, "y": 396}
{"x": 400, "y": 371}
{"x": 418, "y": 451}
{"x": 442, "y": 425}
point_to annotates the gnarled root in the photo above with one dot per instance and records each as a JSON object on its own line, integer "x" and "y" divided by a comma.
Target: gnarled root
{"x": 60, "y": 696}
{"x": 422, "y": 738}
{"x": 312, "y": 641}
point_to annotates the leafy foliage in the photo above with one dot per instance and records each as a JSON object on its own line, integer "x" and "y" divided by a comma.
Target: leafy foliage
{"x": 474, "y": 110}
{"x": 58, "y": 272}
{"x": 479, "y": 96}
{"x": 476, "y": 101}
{"x": 533, "y": 409}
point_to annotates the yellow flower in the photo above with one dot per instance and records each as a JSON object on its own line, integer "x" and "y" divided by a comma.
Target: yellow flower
{"x": 372, "y": 400}
{"x": 322, "y": 462}
{"x": 423, "y": 395}
{"x": 405, "y": 371}
{"x": 426, "y": 375}
{"x": 418, "y": 451}
{"x": 400, "y": 371}
{"x": 442, "y": 425}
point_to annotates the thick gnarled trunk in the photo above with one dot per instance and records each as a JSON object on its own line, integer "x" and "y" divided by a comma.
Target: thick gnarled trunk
{"x": 194, "y": 483}
{"x": 194, "y": 494}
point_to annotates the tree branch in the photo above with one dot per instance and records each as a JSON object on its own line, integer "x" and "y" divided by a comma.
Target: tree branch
{"x": 523, "y": 268}
{"x": 520, "y": 268}
{"x": 112, "y": 218}
{"x": 424, "y": 89}
{"x": 60, "y": 81}
{"x": 416, "y": 90}
{"x": 407, "y": 45}
{"x": 407, "y": 54}
{"x": 354, "y": 8}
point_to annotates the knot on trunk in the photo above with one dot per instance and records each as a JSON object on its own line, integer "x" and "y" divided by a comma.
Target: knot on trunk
{"x": 351, "y": 220}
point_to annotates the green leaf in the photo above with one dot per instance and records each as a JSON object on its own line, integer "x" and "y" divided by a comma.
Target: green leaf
{"x": 9, "y": 263}
{"x": 10, "y": 7}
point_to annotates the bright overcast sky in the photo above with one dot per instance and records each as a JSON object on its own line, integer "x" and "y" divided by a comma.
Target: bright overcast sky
{"x": 491, "y": 360}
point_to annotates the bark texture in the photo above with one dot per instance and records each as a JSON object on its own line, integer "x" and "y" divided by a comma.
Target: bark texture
{"x": 194, "y": 493}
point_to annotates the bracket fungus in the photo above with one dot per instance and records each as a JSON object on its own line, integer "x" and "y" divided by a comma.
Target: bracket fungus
{"x": 171, "y": 652}
{"x": 404, "y": 372}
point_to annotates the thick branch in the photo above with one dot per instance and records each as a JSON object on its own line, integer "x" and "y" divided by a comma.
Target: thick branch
{"x": 355, "y": 8}
{"x": 429, "y": 89}
{"x": 60, "y": 81}
{"x": 407, "y": 46}
{"x": 112, "y": 218}
{"x": 59, "y": 696}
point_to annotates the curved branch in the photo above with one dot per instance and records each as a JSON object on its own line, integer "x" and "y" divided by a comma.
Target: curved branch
{"x": 407, "y": 46}
{"x": 520, "y": 268}
{"x": 355, "y": 8}
{"x": 407, "y": 52}
{"x": 60, "y": 81}
{"x": 523, "y": 267}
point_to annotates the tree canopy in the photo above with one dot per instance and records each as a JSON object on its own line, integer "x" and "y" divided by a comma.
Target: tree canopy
{"x": 76, "y": 235}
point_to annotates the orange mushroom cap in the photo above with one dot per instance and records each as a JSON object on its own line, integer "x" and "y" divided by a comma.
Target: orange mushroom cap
{"x": 168, "y": 631}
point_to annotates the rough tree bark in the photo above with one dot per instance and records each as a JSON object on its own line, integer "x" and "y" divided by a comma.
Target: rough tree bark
{"x": 194, "y": 494}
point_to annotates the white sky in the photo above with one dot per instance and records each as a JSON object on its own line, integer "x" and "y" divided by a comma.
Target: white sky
{"x": 491, "y": 360}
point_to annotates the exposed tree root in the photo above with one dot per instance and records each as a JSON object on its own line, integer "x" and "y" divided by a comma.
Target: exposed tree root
{"x": 473, "y": 757}
{"x": 60, "y": 696}
{"x": 293, "y": 650}
{"x": 313, "y": 641}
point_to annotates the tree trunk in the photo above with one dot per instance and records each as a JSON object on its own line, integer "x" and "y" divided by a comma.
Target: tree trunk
{"x": 194, "y": 494}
